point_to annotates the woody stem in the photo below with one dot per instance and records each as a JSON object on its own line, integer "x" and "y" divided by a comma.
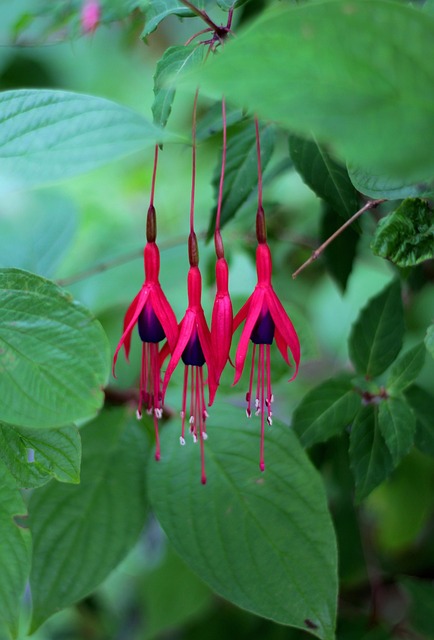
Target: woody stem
{"x": 371, "y": 204}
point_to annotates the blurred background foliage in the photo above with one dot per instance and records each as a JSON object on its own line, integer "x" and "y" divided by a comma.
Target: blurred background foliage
{"x": 88, "y": 234}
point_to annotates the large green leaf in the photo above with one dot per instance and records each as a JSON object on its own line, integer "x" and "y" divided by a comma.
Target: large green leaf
{"x": 378, "y": 186}
{"x": 53, "y": 354}
{"x": 406, "y": 236}
{"x": 326, "y": 177}
{"x": 370, "y": 458}
{"x": 48, "y": 135}
{"x": 263, "y": 541}
{"x": 34, "y": 456}
{"x": 405, "y": 370}
{"x": 429, "y": 340}
{"x": 157, "y": 10}
{"x": 174, "y": 62}
{"x": 241, "y": 174}
{"x": 340, "y": 70}
{"x": 15, "y": 555}
{"x": 397, "y": 424}
{"x": 80, "y": 533}
{"x": 325, "y": 411}
{"x": 422, "y": 404}
{"x": 376, "y": 336}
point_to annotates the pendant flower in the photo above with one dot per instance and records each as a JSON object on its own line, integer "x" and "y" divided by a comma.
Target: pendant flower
{"x": 193, "y": 347}
{"x": 90, "y": 15}
{"x": 265, "y": 319}
{"x": 156, "y": 320}
{"x": 222, "y": 318}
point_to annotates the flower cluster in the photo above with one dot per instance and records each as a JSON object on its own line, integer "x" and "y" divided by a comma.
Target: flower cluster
{"x": 263, "y": 319}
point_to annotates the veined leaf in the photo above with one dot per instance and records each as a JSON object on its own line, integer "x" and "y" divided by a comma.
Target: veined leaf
{"x": 15, "y": 554}
{"x": 338, "y": 70}
{"x": 376, "y": 336}
{"x": 48, "y": 135}
{"x": 405, "y": 370}
{"x": 53, "y": 354}
{"x": 34, "y": 456}
{"x": 370, "y": 458}
{"x": 379, "y": 186}
{"x": 339, "y": 256}
{"x": 325, "y": 411}
{"x": 422, "y": 404}
{"x": 243, "y": 530}
{"x": 406, "y": 236}
{"x": 429, "y": 340}
{"x": 397, "y": 424}
{"x": 212, "y": 122}
{"x": 326, "y": 177}
{"x": 157, "y": 10}
{"x": 174, "y": 62}
{"x": 85, "y": 530}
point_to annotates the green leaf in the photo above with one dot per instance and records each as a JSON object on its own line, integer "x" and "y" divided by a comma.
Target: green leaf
{"x": 429, "y": 340}
{"x": 397, "y": 424}
{"x": 241, "y": 174}
{"x": 341, "y": 72}
{"x": 174, "y": 62}
{"x": 406, "y": 236}
{"x": 53, "y": 354}
{"x": 422, "y": 597}
{"x": 161, "y": 586}
{"x": 212, "y": 122}
{"x": 422, "y": 404}
{"x": 371, "y": 460}
{"x": 326, "y": 177}
{"x": 87, "y": 529}
{"x": 380, "y": 186}
{"x": 405, "y": 370}
{"x": 242, "y": 530}
{"x": 48, "y": 135}
{"x": 15, "y": 555}
{"x": 157, "y": 10}
{"x": 340, "y": 254}
{"x": 325, "y": 411}
{"x": 376, "y": 336}
{"x": 34, "y": 456}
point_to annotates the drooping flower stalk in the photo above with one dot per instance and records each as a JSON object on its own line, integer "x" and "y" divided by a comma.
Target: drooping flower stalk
{"x": 193, "y": 345}
{"x": 155, "y": 320}
{"x": 265, "y": 319}
{"x": 222, "y": 314}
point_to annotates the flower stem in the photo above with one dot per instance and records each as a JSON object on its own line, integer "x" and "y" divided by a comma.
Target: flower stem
{"x": 203, "y": 15}
{"x": 154, "y": 174}
{"x": 371, "y": 204}
{"x": 219, "y": 248}
{"x": 261, "y": 227}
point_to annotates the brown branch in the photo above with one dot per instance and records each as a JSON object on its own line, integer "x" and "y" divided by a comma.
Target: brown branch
{"x": 371, "y": 204}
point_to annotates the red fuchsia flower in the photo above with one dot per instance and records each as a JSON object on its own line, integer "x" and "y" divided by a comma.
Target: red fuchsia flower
{"x": 156, "y": 321}
{"x": 222, "y": 318}
{"x": 193, "y": 347}
{"x": 90, "y": 15}
{"x": 265, "y": 319}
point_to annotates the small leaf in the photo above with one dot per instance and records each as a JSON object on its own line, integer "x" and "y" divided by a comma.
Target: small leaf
{"x": 88, "y": 528}
{"x": 34, "y": 456}
{"x": 339, "y": 256}
{"x": 371, "y": 460}
{"x": 326, "y": 177}
{"x": 397, "y": 425}
{"x": 241, "y": 175}
{"x": 376, "y": 336}
{"x": 157, "y": 10}
{"x": 243, "y": 530}
{"x": 422, "y": 404}
{"x": 174, "y": 62}
{"x": 405, "y": 370}
{"x": 429, "y": 340}
{"x": 406, "y": 236}
{"x": 378, "y": 186}
{"x": 15, "y": 555}
{"x": 53, "y": 354}
{"x": 48, "y": 135}
{"x": 325, "y": 411}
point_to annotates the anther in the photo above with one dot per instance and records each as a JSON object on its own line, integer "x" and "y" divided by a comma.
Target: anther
{"x": 158, "y": 413}
{"x": 181, "y": 441}
{"x": 269, "y": 420}
{"x": 138, "y": 415}
{"x": 248, "y": 413}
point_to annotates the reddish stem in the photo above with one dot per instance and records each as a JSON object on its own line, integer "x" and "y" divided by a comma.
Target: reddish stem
{"x": 217, "y": 235}
{"x": 154, "y": 174}
{"x": 258, "y": 151}
{"x": 193, "y": 170}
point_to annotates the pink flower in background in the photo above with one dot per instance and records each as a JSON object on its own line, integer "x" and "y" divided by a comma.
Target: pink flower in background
{"x": 90, "y": 15}
{"x": 265, "y": 319}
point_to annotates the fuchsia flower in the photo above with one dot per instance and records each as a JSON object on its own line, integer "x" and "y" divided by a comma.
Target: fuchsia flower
{"x": 193, "y": 347}
{"x": 90, "y": 15}
{"x": 156, "y": 320}
{"x": 265, "y": 319}
{"x": 222, "y": 318}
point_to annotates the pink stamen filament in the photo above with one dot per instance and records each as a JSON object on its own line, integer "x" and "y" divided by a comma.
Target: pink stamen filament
{"x": 249, "y": 393}
{"x": 184, "y": 404}
{"x": 202, "y": 420}
{"x": 262, "y": 403}
{"x": 269, "y": 399}
{"x": 156, "y": 399}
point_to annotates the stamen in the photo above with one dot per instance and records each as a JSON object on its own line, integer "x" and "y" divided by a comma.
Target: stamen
{"x": 262, "y": 375}
{"x": 202, "y": 434}
{"x": 158, "y": 413}
{"x": 249, "y": 393}
{"x": 138, "y": 414}
{"x": 182, "y": 441}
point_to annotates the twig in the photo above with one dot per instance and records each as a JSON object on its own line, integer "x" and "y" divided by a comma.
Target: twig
{"x": 371, "y": 204}
{"x": 202, "y": 14}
